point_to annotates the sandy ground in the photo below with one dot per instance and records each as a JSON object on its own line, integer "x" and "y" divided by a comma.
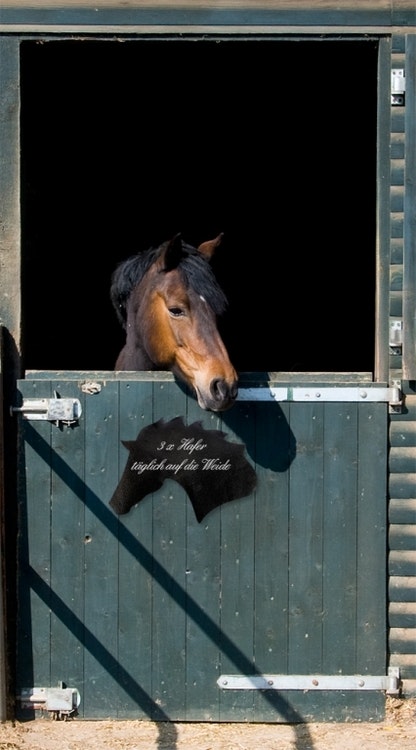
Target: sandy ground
{"x": 397, "y": 731}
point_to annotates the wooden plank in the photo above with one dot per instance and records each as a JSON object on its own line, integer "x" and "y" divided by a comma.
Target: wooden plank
{"x": 404, "y": 421}
{"x": 402, "y": 563}
{"x": 67, "y": 544}
{"x": 403, "y": 430}
{"x": 402, "y": 588}
{"x": 406, "y": 664}
{"x": 135, "y": 582}
{"x": 203, "y": 588}
{"x": 34, "y": 540}
{"x": 371, "y": 533}
{"x": 383, "y": 166}
{"x": 3, "y": 549}
{"x": 10, "y": 217}
{"x": 296, "y": 13}
{"x": 409, "y": 286}
{"x": 305, "y": 540}
{"x": 274, "y": 451}
{"x": 340, "y": 508}
{"x": 402, "y": 459}
{"x": 402, "y": 486}
{"x": 170, "y": 507}
{"x": 402, "y": 614}
{"x": 402, "y": 536}
{"x": 402, "y": 511}
{"x": 237, "y": 576}
{"x": 403, "y": 640}
{"x": 101, "y": 678}
{"x": 286, "y": 4}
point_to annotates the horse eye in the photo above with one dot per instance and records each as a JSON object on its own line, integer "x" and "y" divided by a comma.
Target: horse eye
{"x": 177, "y": 312}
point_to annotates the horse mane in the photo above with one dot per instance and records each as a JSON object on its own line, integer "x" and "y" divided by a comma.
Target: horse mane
{"x": 196, "y": 272}
{"x": 127, "y": 275}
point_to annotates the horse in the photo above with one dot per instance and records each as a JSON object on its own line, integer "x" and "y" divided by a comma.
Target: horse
{"x": 168, "y": 301}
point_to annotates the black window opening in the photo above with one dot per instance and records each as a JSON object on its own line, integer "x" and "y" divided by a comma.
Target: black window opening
{"x": 273, "y": 143}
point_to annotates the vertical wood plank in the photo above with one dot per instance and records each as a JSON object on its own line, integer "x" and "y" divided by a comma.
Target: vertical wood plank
{"x": 372, "y": 540}
{"x": 101, "y": 687}
{"x": 10, "y": 200}
{"x": 135, "y": 584}
{"x": 274, "y": 446}
{"x": 409, "y": 233}
{"x": 67, "y": 546}
{"x": 169, "y": 586}
{"x": 340, "y": 538}
{"x": 3, "y": 546}
{"x": 305, "y": 540}
{"x": 237, "y": 577}
{"x": 34, "y": 547}
{"x": 203, "y": 591}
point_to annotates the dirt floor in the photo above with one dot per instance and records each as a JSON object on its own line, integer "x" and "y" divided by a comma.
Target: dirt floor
{"x": 398, "y": 731}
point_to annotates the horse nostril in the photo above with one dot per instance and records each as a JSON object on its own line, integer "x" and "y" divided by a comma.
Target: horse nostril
{"x": 221, "y": 391}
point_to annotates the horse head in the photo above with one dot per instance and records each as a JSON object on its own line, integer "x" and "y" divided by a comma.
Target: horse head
{"x": 171, "y": 314}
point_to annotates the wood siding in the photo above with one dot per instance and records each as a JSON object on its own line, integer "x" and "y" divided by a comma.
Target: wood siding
{"x": 402, "y": 545}
{"x": 402, "y": 457}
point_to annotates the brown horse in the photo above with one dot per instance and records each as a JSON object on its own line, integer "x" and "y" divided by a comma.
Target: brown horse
{"x": 168, "y": 301}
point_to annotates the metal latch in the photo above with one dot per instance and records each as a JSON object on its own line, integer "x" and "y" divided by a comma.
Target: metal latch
{"x": 65, "y": 410}
{"x": 390, "y": 682}
{"x": 61, "y": 701}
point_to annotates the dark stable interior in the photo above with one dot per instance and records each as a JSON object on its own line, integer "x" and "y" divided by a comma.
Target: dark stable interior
{"x": 273, "y": 142}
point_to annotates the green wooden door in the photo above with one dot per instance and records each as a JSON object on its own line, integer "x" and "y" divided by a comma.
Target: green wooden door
{"x": 148, "y": 614}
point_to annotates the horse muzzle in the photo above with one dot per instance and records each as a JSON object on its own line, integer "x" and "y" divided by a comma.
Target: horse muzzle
{"x": 220, "y": 396}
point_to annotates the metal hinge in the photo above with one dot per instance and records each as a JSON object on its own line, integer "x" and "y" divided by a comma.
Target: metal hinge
{"x": 65, "y": 410}
{"x": 354, "y": 394}
{"x": 60, "y": 701}
{"x": 390, "y": 682}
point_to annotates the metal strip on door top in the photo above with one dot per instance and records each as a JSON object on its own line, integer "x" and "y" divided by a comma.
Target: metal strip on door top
{"x": 356, "y": 394}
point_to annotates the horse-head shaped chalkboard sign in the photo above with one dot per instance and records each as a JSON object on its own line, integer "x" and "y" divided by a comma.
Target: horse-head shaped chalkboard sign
{"x": 211, "y": 469}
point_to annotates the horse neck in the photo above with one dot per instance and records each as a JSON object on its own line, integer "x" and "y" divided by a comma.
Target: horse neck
{"x": 133, "y": 356}
{"x": 133, "y": 359}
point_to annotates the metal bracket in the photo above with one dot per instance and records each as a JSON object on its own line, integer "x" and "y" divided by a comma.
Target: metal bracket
{"x": 61, "y": 701}
{"x": 398, "y": 87}
{"x": 308, "y": 394}
{"x": 396, "y": 336}
{"x": 65, "y": 410}
{"x": 396, "y": 406}
{"x": 389, "y": 683}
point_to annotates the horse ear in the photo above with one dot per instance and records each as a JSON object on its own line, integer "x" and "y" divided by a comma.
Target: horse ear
{"x": 208, "y": 248}
{"x": 173, "y": 253}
